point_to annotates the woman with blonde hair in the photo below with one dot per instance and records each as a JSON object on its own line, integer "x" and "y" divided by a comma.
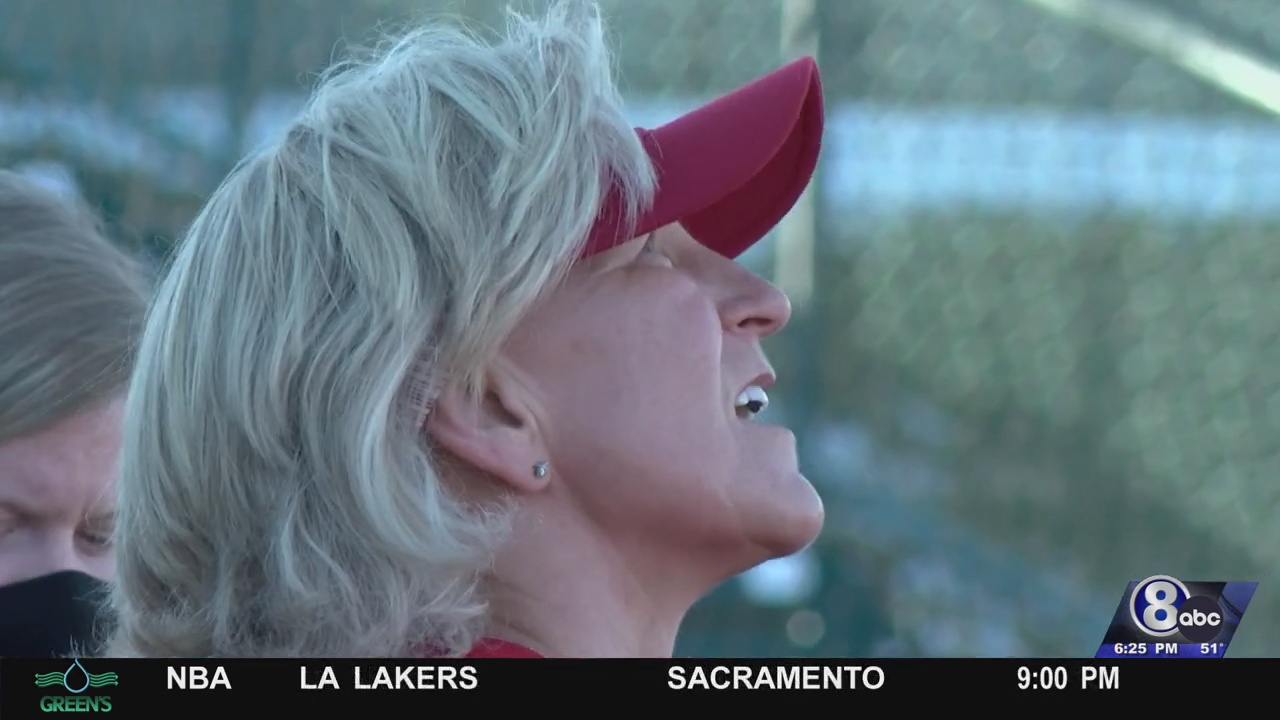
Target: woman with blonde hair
{"x": 463, "y": 365}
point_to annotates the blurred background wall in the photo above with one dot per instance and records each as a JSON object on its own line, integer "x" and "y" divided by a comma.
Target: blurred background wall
{"x": 1035, "y": 351}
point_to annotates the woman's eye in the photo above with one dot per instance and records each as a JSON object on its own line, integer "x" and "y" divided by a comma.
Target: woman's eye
{"x": 97, "y": 539}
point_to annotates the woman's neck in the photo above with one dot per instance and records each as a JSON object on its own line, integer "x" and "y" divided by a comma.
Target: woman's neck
{"x": 567, "y": 593}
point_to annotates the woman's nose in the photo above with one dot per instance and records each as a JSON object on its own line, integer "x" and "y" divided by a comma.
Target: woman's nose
{"x": 756, "y": 306}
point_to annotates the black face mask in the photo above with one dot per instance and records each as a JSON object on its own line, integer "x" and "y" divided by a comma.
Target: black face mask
{"x": 52, "y": 615}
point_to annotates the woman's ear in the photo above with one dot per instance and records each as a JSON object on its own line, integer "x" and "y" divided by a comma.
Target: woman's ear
{"x": 497, "y": 433}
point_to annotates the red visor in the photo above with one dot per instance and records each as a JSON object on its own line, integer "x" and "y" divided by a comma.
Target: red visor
{"x": 730, "y": 170}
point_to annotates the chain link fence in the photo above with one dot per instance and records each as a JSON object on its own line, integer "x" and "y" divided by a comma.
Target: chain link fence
{"x": 1041, "y": 356}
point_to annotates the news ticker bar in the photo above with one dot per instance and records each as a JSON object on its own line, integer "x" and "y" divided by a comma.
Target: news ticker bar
{"x": 31, "y": 687}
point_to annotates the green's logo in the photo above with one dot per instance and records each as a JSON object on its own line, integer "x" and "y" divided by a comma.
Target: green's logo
{"x": 76, "y": 680}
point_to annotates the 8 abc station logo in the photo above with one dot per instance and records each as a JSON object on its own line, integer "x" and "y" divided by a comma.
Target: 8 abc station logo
{"x": 1161, "y": 606}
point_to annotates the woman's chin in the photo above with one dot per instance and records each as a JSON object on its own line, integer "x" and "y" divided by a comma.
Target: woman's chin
{"x": 793, "y": 524}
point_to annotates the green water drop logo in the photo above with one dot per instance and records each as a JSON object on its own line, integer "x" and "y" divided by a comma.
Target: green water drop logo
{"x": 76, "y": 679}
{"x": 70, "y": 677}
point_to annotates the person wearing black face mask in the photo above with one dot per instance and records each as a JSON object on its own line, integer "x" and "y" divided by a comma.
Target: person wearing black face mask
{"x": 70, "y": 303}
{"x": 54, "y": 614}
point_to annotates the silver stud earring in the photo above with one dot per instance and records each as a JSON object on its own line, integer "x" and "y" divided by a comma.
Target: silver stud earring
{"x": 540, "y": 469}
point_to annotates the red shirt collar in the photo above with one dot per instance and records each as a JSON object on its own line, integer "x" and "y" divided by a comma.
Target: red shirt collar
{"x": 494, "y": 648}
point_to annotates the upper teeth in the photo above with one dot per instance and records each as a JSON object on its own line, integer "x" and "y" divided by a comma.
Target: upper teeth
{"x": 753, "y": 399}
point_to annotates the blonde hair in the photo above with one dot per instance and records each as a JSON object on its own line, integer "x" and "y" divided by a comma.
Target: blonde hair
{"x": 71, "y": 307}
{"x": 278, "y": 496}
